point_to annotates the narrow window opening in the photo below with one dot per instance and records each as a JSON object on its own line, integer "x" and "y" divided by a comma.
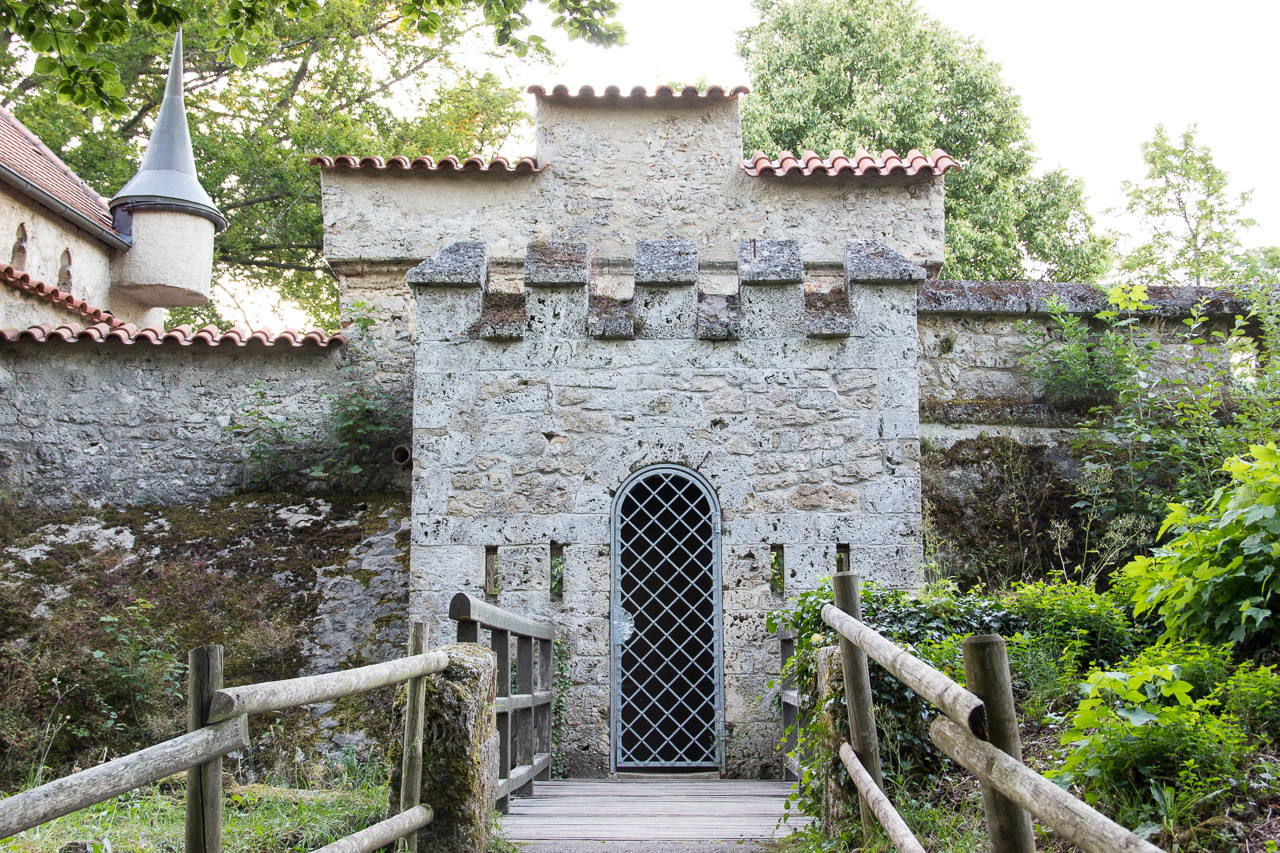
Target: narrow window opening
{"x": 557, "y": 570}
{"x": 777, "y": 570}
{"x": 64, "y": 272}
{"x": 18, "y": 256}
{"x": 491, "y": 570}
{"x": 842, "y": 557}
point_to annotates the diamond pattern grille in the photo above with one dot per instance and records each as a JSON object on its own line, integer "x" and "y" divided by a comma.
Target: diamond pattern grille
{"x": 667, "y": 671}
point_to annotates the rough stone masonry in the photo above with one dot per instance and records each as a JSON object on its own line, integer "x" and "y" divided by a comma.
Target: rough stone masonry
{"x": 639, "y": 301}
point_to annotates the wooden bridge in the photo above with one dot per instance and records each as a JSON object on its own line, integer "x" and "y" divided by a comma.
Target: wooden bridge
{"x": 646, "y": 812}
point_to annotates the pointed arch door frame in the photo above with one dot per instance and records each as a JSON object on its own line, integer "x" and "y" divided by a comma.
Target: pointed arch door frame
{"x": 642, "y": 731}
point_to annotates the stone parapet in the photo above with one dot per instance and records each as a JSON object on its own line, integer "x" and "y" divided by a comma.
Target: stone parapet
{"x": 822, "y": 307}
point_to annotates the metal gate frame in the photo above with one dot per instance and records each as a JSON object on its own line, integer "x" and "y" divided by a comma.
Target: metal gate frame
{"x": 615, "y": 606}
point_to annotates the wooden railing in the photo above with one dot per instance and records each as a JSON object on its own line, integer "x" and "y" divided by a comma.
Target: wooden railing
{"x": 523, "y": 717}
{"x": 978, "y": 729}
{"x": 217, "y": 720}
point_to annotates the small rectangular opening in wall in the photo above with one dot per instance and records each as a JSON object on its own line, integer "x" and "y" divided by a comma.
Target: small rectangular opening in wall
{"x": 491, "y": 570}
{"x": 557, "y": 570}
{"x": 777, "y": 570}
{"x": 842, "y": 557}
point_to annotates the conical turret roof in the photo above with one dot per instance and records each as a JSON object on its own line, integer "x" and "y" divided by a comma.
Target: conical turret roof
{"x": 167, "y": 179}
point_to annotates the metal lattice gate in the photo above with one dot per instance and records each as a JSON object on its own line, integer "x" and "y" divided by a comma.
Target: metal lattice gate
{"x": 667, "y": 700}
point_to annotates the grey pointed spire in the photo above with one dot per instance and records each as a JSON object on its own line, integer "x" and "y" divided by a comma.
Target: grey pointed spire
{"x": 167, "y": 178}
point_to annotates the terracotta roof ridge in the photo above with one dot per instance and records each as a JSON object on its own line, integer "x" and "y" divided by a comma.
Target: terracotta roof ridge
{"x": 638, "y": 94}
{"x": 183, "y": 336}
{"x": 475, "y": 164}
{"x": 863, "y": 163}
{"x": 24, "y": 283}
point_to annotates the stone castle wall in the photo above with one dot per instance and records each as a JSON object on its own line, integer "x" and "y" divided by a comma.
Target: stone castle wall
{"x": 139, "y": 423}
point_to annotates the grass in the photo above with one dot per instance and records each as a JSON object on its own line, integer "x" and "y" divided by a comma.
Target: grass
{"x": 256, "y": 819}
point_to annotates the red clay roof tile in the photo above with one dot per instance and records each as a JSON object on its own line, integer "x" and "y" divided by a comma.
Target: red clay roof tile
{"x": 20, "y": 281}
{"x": 638, "y": 95}
{"x": 496, "y": 166}
{"x": 103, "y": 326}
{"x": 863, "y": 163}
{"x": 30, "y": 158}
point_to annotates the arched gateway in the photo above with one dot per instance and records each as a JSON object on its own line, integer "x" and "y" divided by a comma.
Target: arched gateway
{"x": 667, "y": 647}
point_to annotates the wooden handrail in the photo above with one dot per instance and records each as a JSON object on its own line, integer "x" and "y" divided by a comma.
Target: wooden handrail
{"x": 1071, "y": 817}
{"x": 978, "y": 730}
{"x": 290, "y": 693}
{"x": 98, "y": 784}
{"x": 383, "y": 833}
{"x": 465, "y": 608}
{"x": 904, "y": 841}
{"x": 941, "y": 692}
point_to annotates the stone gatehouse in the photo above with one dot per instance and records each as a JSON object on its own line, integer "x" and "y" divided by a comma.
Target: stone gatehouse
{"x": 645, "y": 372}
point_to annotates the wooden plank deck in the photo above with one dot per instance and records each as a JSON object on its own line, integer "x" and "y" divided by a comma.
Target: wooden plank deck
{"x": 649, "y": 810}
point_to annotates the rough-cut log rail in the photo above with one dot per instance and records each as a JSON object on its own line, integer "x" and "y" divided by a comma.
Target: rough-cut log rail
{"x": 97, "y": 784}
{"x": 381, "y": 834}
{"x": 278, "y": 695}
{"x": 894, "y": 827}
{"x": 1073, "y": 819}
{"x": 943, "y": 693}
{"x": 464, "y": 608}
{"x": 524, "y": 774}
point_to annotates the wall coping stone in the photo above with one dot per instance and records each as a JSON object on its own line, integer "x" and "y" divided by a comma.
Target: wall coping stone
{"x": 1031, "y": 297}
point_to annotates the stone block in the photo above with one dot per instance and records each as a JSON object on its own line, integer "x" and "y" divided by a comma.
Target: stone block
{"x": 557, "y": 263}
{"x": 770, "y": 262}
{"x": 459, "y": 752}
{"x": 872, "y": 262}
{"x": 719, "y": 317}
{"x": 666, "y": 262}
{"x": 459, "y": 263}
{"x": 609, "y": 317}
{"x": 827, "y": 315}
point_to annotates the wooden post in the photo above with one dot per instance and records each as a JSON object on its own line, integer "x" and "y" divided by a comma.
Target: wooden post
{"x": 986, "y": 673}
{"x": 204, "y": 782}
{"x": 501, "y": 643}
{"x": 790, "y": 709}
{"x": 857, "y": 693}
{"x": 468, "y": 631}
{"x": 411, "y": 761}
{"x": 546, "y": 683}
{"x": 524, "y": 724}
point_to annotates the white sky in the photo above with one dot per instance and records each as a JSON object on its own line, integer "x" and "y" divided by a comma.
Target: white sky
{"x": 1095, "y": 76}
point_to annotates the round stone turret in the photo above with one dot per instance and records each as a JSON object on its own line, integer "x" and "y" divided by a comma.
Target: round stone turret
{"x": 169, "y": 218}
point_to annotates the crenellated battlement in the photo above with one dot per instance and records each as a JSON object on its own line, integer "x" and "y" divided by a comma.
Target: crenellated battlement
{"x": 610, "y": 284}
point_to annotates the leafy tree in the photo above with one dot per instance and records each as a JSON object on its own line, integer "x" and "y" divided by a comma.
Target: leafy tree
{"x": 879, "y": 74}
{"x": 66, "y": 36}
{"x": 321, "y": 84}
{"x": 1191, "y": 222}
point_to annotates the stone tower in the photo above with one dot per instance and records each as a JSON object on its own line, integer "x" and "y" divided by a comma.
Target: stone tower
{"x": 169, "y": 218}
{"x": 648, "y": 375}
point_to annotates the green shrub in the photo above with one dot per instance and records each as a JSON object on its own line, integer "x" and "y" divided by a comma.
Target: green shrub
{"x": 1138, "y": 735}
{"x": 1074, "y": 619}
{"x": 1253, "y": 697}
{"x": 1205, "y": 668}
{"x": 1216, "y": 580}
{"x": 1075, "y": 365}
